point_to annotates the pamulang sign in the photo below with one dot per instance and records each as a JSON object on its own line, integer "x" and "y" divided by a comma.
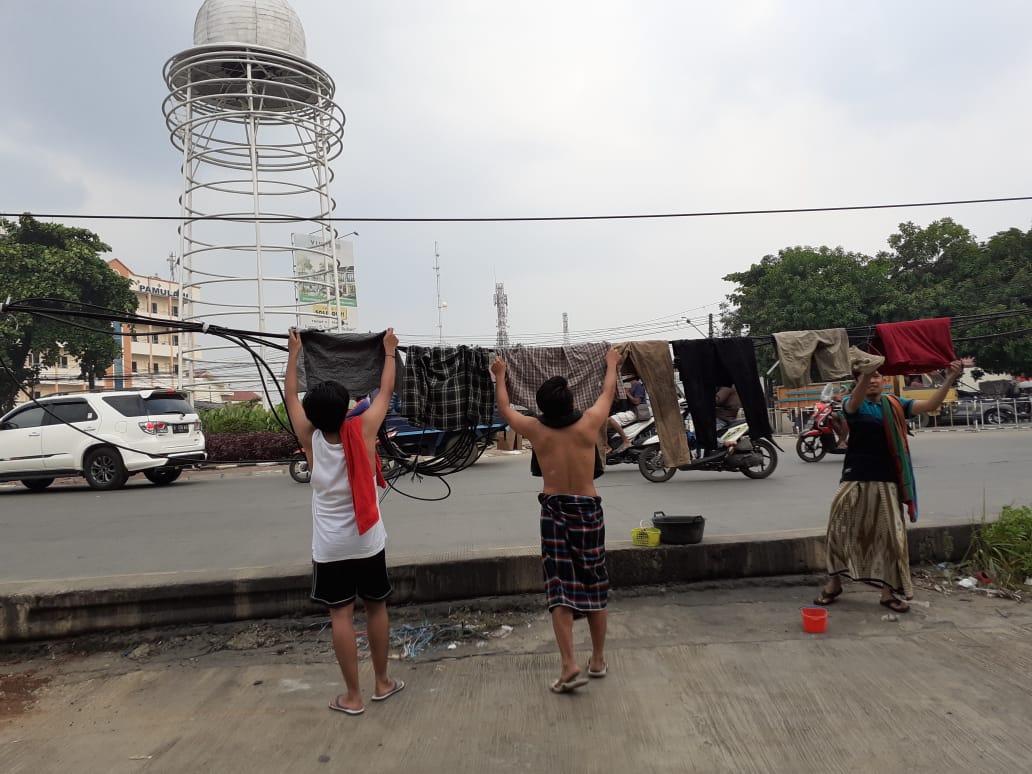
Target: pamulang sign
{"x": 315, "y": 292}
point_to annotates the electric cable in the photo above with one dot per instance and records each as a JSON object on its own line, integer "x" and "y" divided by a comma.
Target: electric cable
{"x": 526, "y": 218}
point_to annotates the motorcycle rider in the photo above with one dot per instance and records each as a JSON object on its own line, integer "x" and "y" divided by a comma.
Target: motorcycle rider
{"x": 636, "y": 396}
{"x": 837, "y": 420}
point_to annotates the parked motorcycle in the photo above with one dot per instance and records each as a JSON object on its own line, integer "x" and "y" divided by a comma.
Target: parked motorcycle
{"x": 737, "y": 452}
{"x": 299, "y": 467}
{"x": 638, "y": 432}
{"x": 819, "y": 439}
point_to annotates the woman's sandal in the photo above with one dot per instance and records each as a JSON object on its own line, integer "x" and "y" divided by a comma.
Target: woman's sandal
{"x": 895, "y": 604}
{"x": 827, "y": 597}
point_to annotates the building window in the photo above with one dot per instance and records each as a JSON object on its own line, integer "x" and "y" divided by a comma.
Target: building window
{"x": 157, "y": 338}
{"x": 135, "y": 337}
{"x": 175, "y": 368}
{"x": 135, "y": 368}
{"x": 175, "y": 310}
{"x": 157, "y": 368}
{"x": 154, "y": 307}
{"x": 175, "y": 340}
{"x": 64, "y": 362}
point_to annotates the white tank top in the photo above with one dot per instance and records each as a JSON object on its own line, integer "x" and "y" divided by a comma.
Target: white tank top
{"x": 334, "y": 530}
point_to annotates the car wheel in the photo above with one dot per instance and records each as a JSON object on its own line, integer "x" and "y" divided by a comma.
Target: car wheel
{"x": 299, "y": 471}
{"x": 103, "y": 469}
{"x": 162, "y": 476}
{"x": 997, "y": 416}
{"x": 37, "y": 484}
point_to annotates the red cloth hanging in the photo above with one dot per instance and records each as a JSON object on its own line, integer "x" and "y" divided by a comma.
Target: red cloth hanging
{"x": 360, "y": 474}
{"x": 914, "y": 347}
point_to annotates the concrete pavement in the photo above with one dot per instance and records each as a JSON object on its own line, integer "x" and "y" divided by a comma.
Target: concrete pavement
{"x": 714, "y": 680}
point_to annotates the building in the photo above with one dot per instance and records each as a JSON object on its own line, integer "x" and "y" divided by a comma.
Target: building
{"x": 150, "y": 355}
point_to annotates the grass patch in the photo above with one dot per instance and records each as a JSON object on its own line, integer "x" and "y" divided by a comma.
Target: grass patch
{"x": 1003, "y": 548}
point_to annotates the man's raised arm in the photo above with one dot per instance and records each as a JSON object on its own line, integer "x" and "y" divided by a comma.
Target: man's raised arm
{"x": 512, "y": 417}
{"x": 599, "y": 411}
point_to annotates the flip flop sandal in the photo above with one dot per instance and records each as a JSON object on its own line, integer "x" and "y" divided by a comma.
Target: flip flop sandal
{"x": 895, "y": 605}
{"x": 600, "y": 673}
{"x": 398, "y": 686}
{"x": 336, "y": 706}
{"x": 826, "y": 598}
{"x": 569, "y": 686}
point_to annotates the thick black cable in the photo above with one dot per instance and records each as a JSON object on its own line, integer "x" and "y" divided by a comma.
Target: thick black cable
{"x": 526, "y": 218}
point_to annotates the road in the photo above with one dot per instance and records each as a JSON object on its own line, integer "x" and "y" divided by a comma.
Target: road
{"x": 257, "y": 517}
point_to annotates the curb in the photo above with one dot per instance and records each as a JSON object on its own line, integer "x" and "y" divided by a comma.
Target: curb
{"x": 46, "y": 611}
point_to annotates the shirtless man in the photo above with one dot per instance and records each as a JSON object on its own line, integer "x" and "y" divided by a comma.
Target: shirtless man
{"x": 573, "y": 552}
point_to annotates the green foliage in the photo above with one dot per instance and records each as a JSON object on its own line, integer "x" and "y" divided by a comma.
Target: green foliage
{"x": 940, "y": 270}
{"x": 244, "y": 418}
{"x": 48, "y": 260}
{"x": 1003, "y": 548}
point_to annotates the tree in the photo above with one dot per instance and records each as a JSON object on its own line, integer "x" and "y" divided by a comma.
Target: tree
{"x": 940, "y": 270}
{"x": 51, "y": 261}
{"x": 943, "y": 271}
{"x": 806, "y": 288}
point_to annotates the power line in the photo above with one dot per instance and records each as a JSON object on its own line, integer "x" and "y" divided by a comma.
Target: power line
{"x": 530, "y": 218}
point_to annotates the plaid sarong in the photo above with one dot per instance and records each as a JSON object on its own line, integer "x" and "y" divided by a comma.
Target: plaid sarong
{"x": 573, "y": 552}
{"x": 583, "y": 365}
{"x": 447, "y": 388}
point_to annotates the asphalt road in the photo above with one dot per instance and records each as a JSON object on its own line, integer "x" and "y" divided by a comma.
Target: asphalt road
{"x": 258, "y": 517}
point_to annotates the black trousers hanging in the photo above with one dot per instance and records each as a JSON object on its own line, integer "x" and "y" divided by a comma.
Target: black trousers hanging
{"x": 705, "y": 365}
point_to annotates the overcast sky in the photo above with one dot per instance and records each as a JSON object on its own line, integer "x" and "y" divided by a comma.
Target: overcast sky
{"x": 557, "y": 108}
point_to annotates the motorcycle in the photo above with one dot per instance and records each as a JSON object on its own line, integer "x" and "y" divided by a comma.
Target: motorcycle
{"x": 299, "y": 470}
{"x": 737, "y": 453}
{"x": 820, "y": 438}
{"x": 638, "y": 432}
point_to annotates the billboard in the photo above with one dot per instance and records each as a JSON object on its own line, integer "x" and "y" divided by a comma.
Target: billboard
{"x": 318, "y": 305}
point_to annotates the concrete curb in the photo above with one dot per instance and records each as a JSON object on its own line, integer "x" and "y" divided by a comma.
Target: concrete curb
{"x": 55, "y": 609}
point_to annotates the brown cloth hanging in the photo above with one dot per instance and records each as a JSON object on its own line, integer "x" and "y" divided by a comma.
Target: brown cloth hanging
{"x": 652, "y": 361}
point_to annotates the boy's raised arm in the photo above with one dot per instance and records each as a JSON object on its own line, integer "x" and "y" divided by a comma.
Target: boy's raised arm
{"x": 302, "y": 427}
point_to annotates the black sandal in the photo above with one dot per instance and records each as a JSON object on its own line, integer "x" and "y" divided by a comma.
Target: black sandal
{"x": 827, "y": 597}
{"x": 895, "y": 604}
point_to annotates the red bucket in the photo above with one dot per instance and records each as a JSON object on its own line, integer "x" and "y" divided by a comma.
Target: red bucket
{"x": 815, "y": 620}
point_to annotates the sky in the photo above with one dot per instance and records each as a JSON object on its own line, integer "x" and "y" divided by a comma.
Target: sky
{"x": 472, "y": 109}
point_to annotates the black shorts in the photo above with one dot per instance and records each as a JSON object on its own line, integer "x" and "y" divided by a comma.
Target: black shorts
{"x": 338, "y": 583}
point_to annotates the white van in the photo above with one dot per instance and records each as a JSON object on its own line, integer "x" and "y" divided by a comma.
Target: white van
{"x": 105, "y": 437}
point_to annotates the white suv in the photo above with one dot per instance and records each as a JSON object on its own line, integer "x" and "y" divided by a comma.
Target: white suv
{"x": 104, "y": 437}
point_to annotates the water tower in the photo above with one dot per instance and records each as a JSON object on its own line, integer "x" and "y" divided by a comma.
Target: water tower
{"x": 257, "y": 127}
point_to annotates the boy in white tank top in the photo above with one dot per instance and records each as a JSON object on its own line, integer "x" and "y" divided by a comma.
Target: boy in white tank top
{"x": 348, "y": 537}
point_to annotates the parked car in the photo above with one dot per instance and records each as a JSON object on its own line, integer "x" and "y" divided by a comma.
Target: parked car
{"x": 986, "y": 411}
{"x": 105, "y": 437}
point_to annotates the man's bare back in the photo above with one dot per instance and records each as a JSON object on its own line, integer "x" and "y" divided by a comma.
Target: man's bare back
{"x": 566, "y": 454}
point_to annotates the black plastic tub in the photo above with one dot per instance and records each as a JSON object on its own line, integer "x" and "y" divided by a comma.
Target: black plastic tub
{"x": 678, "y": 530}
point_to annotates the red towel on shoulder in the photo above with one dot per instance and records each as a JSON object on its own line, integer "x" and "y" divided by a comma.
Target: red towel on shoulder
{"x": 360, "y": 474}
{"x": 914, "y": 347}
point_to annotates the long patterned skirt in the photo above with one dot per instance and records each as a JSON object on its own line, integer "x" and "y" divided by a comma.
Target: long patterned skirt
{"x": 573, "y": 552}
{"x": 867, "y": 537}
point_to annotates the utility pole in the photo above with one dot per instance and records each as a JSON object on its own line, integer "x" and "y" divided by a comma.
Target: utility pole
{"x": 566, "y": 329}
{"x": 711, "y": 325}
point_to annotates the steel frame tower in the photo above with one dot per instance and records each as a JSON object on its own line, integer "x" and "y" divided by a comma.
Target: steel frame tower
{"x": 501, "y": 302}
{"x": 257, "y": 127}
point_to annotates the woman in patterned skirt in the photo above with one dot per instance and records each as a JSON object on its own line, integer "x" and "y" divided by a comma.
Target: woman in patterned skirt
{"x": 867, "y": 538}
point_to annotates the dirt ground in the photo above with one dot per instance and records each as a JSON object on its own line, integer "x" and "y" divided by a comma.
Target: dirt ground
{"x": 708, "y": 678}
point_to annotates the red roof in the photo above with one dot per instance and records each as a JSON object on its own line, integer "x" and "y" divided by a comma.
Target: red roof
{"x": 243, "y": 396}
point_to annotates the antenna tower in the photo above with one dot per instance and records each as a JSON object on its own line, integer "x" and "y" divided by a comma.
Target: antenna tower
{"x": 501, "y": 302}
